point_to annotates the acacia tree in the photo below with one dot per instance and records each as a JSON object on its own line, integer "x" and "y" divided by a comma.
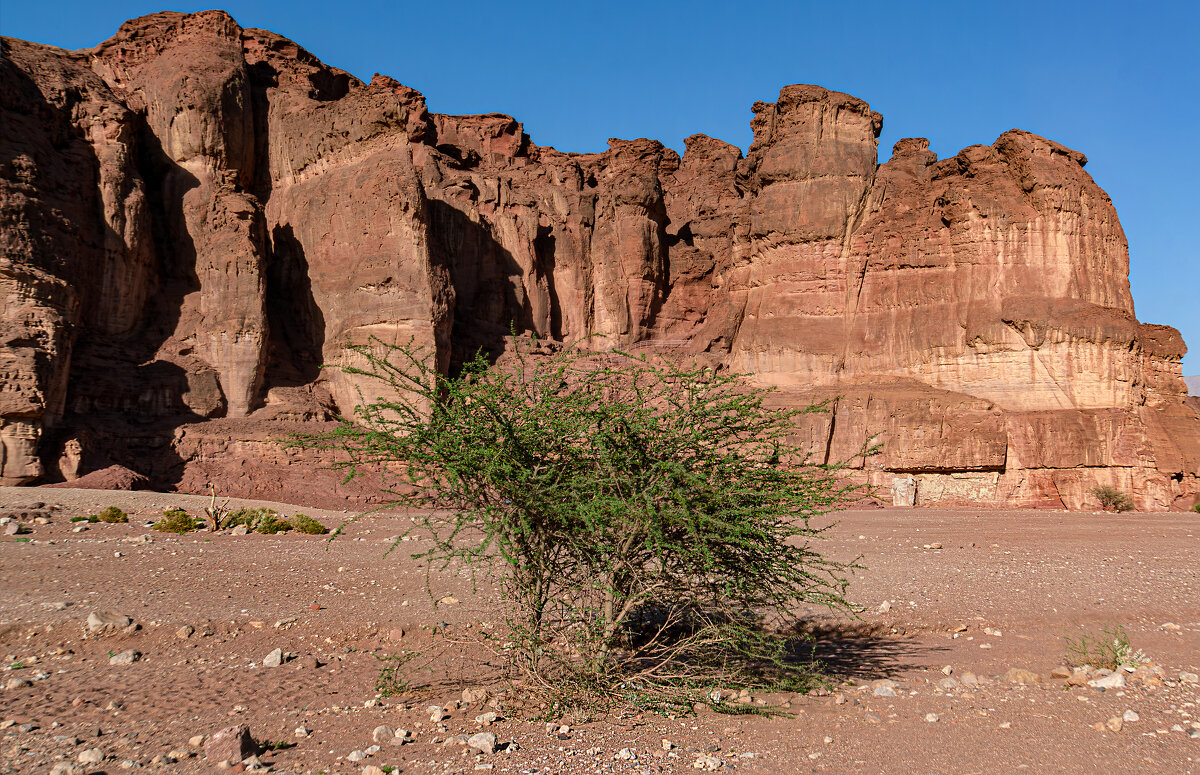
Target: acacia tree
{"x": 652, "y": 521}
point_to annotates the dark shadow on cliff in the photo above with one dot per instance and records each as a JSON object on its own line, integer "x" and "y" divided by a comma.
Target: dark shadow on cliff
{"x": 126, "y": 393}
{"x": 295, "y": 321}
{"x": 485, "y": 278}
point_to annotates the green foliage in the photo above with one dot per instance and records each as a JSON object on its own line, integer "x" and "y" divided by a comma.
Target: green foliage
{"x": 306, "y": 524}
{"x": 1196, "y": 508}
{"x": 82, "y": 518}
{"x": 177, "y": 521}
{"x": 110, "y": 514}
{"x": 392, "y": 680}
{"x": 651, "y": 520}
{"x": 251, "y": 518}
{"x": 1110, "y": 649}
{"x": 272, "y": 524}
{"x": 1112, "y": 499}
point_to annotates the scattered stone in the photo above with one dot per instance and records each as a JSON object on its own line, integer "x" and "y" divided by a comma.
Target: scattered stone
{"x": 17, "y": 683}
{"x": 127, "y": 657}
{"x": 947, "y": 670}
{"x": 1114, "y": 724}
{"x": 301, "y": 732}
{"x": 107, "y": 621}
{"x": 484, "y": 742}
{"x": 356, "y": 756}
{"x": 487, "y": 719}
{"x": 1130, "y": 716}
{"x": 1060, "y": 672}
{"x": 885, "y": 606}
{"x": 947, "y": 684}
{"x": 1018, "y": 675}
{"x": 884, "y": 689}
{"x": 437, "y": 713}
{"x": 383, "y": 734}
{"x": 707, "y": 762}
{"x": 626, "y": 754}
{"x": 931, "y": 718}
{"x": 274, "y": 659}
{"x": 90, "y": 756}
{"x": 240, "y": 530}
{"x": 195, "y": 741}
{"x": 185, "y": 632}
{"x": 230, "y": 744}
{"x": 371, "y": 769}
{"x": 65, "y": 768}
{"x": 969, "y": 679}
{"x": 1189, "y": 678}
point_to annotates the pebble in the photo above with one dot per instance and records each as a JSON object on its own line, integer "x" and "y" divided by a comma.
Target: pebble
{"x": 195, "y": 741}
{"x": 1114, "y": 724}
{"x": 437, "y": 713}
{"x": 104, "y": 621}
{"x": 383, "y": 733}
{"x": 885, "y": 691}
{"x": 487, "y": 719}
{"x": 274, "y": 659}
{"x": 1189, "y": 678}
{"x": 356, "y": 756}
{"x": 301, "y": 732}
{"x": 17, "y": 683}
{"x": 931, "y": 718}
{"x": 1130, "y": 716}
{"x": 185, "y": 632}
{"x": 371, "y": 769}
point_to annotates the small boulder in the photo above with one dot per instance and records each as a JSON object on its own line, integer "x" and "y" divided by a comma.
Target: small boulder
{"x": 90, "y": 756}
{"x": 127, "y": 657}
{"x": 383, "y": 734}
{"x": 230, "y": 744}
{"x": 1019, "y": 675}
{"x": 99, "y": 622}
{"x": 484, "y": 742}
{"x": 274, "y": 659}
{"x": 1105, "y": 682}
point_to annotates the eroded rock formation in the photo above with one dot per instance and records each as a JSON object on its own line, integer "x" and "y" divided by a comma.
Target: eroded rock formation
{"x": 194, "y": 217}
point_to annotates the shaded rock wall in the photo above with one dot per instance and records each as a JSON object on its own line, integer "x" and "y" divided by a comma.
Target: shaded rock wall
{"x": 196, "y": 217}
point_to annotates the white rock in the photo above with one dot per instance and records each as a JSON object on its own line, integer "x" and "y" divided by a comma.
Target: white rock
{"x": 356, "y": 756}
{"x": 487, "y": 719}
{"x": 274, "y": 659}
{"x": 1130, "y": 716}
{"x": 932, "y": 718}
{"x": 437, "y": 713}
{"x": 1114, "y": 681}
{"x": 1189, "y": 678}
{"x": 383, "y": 733}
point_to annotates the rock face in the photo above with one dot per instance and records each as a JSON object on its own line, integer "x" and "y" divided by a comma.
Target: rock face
{"x": 196, "y": 216}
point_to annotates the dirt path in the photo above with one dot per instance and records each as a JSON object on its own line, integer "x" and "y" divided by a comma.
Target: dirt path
{"x": 1001, "y": 592}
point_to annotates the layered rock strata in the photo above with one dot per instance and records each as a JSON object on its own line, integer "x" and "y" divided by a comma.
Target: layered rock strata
{"x": 196, "y": 217}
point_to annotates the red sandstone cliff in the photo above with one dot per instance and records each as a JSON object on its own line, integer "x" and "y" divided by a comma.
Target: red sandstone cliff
{"x": 195, "y": 216}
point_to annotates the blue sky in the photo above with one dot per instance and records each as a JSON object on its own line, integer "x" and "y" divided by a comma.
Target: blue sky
{"x": 1116, "y": 80}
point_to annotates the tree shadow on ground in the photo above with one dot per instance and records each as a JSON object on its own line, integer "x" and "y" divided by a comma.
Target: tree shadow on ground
{"x": 860, "y": 650}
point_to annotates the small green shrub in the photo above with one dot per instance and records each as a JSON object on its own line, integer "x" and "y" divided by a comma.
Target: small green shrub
{"x": 1196, "y": 508}
{"x": 1110, "y": 649}
{"x": 248, "y": 517}
{"x": 306, "y": 524}
{"x": 1112, "y": 499}
{"x": 176, "y": 521}
{"x": 111, "y": 514}
{"x": 271, "y": 524}
{"x": 82, "y": 518}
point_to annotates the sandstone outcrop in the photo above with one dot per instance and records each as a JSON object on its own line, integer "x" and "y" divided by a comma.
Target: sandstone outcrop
{"x": 196, "y": 217}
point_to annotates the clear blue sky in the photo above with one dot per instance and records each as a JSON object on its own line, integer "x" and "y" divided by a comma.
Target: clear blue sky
{"x": 1116, "y": 80}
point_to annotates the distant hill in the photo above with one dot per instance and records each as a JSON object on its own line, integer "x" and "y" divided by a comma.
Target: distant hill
{"x": 1193, "y": 384}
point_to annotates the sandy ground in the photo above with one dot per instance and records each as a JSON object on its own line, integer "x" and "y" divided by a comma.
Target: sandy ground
{"x": 1002, "y": 591}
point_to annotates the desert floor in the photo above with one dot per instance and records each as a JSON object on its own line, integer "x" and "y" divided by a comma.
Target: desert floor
{"x": 1001, "y": 592}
